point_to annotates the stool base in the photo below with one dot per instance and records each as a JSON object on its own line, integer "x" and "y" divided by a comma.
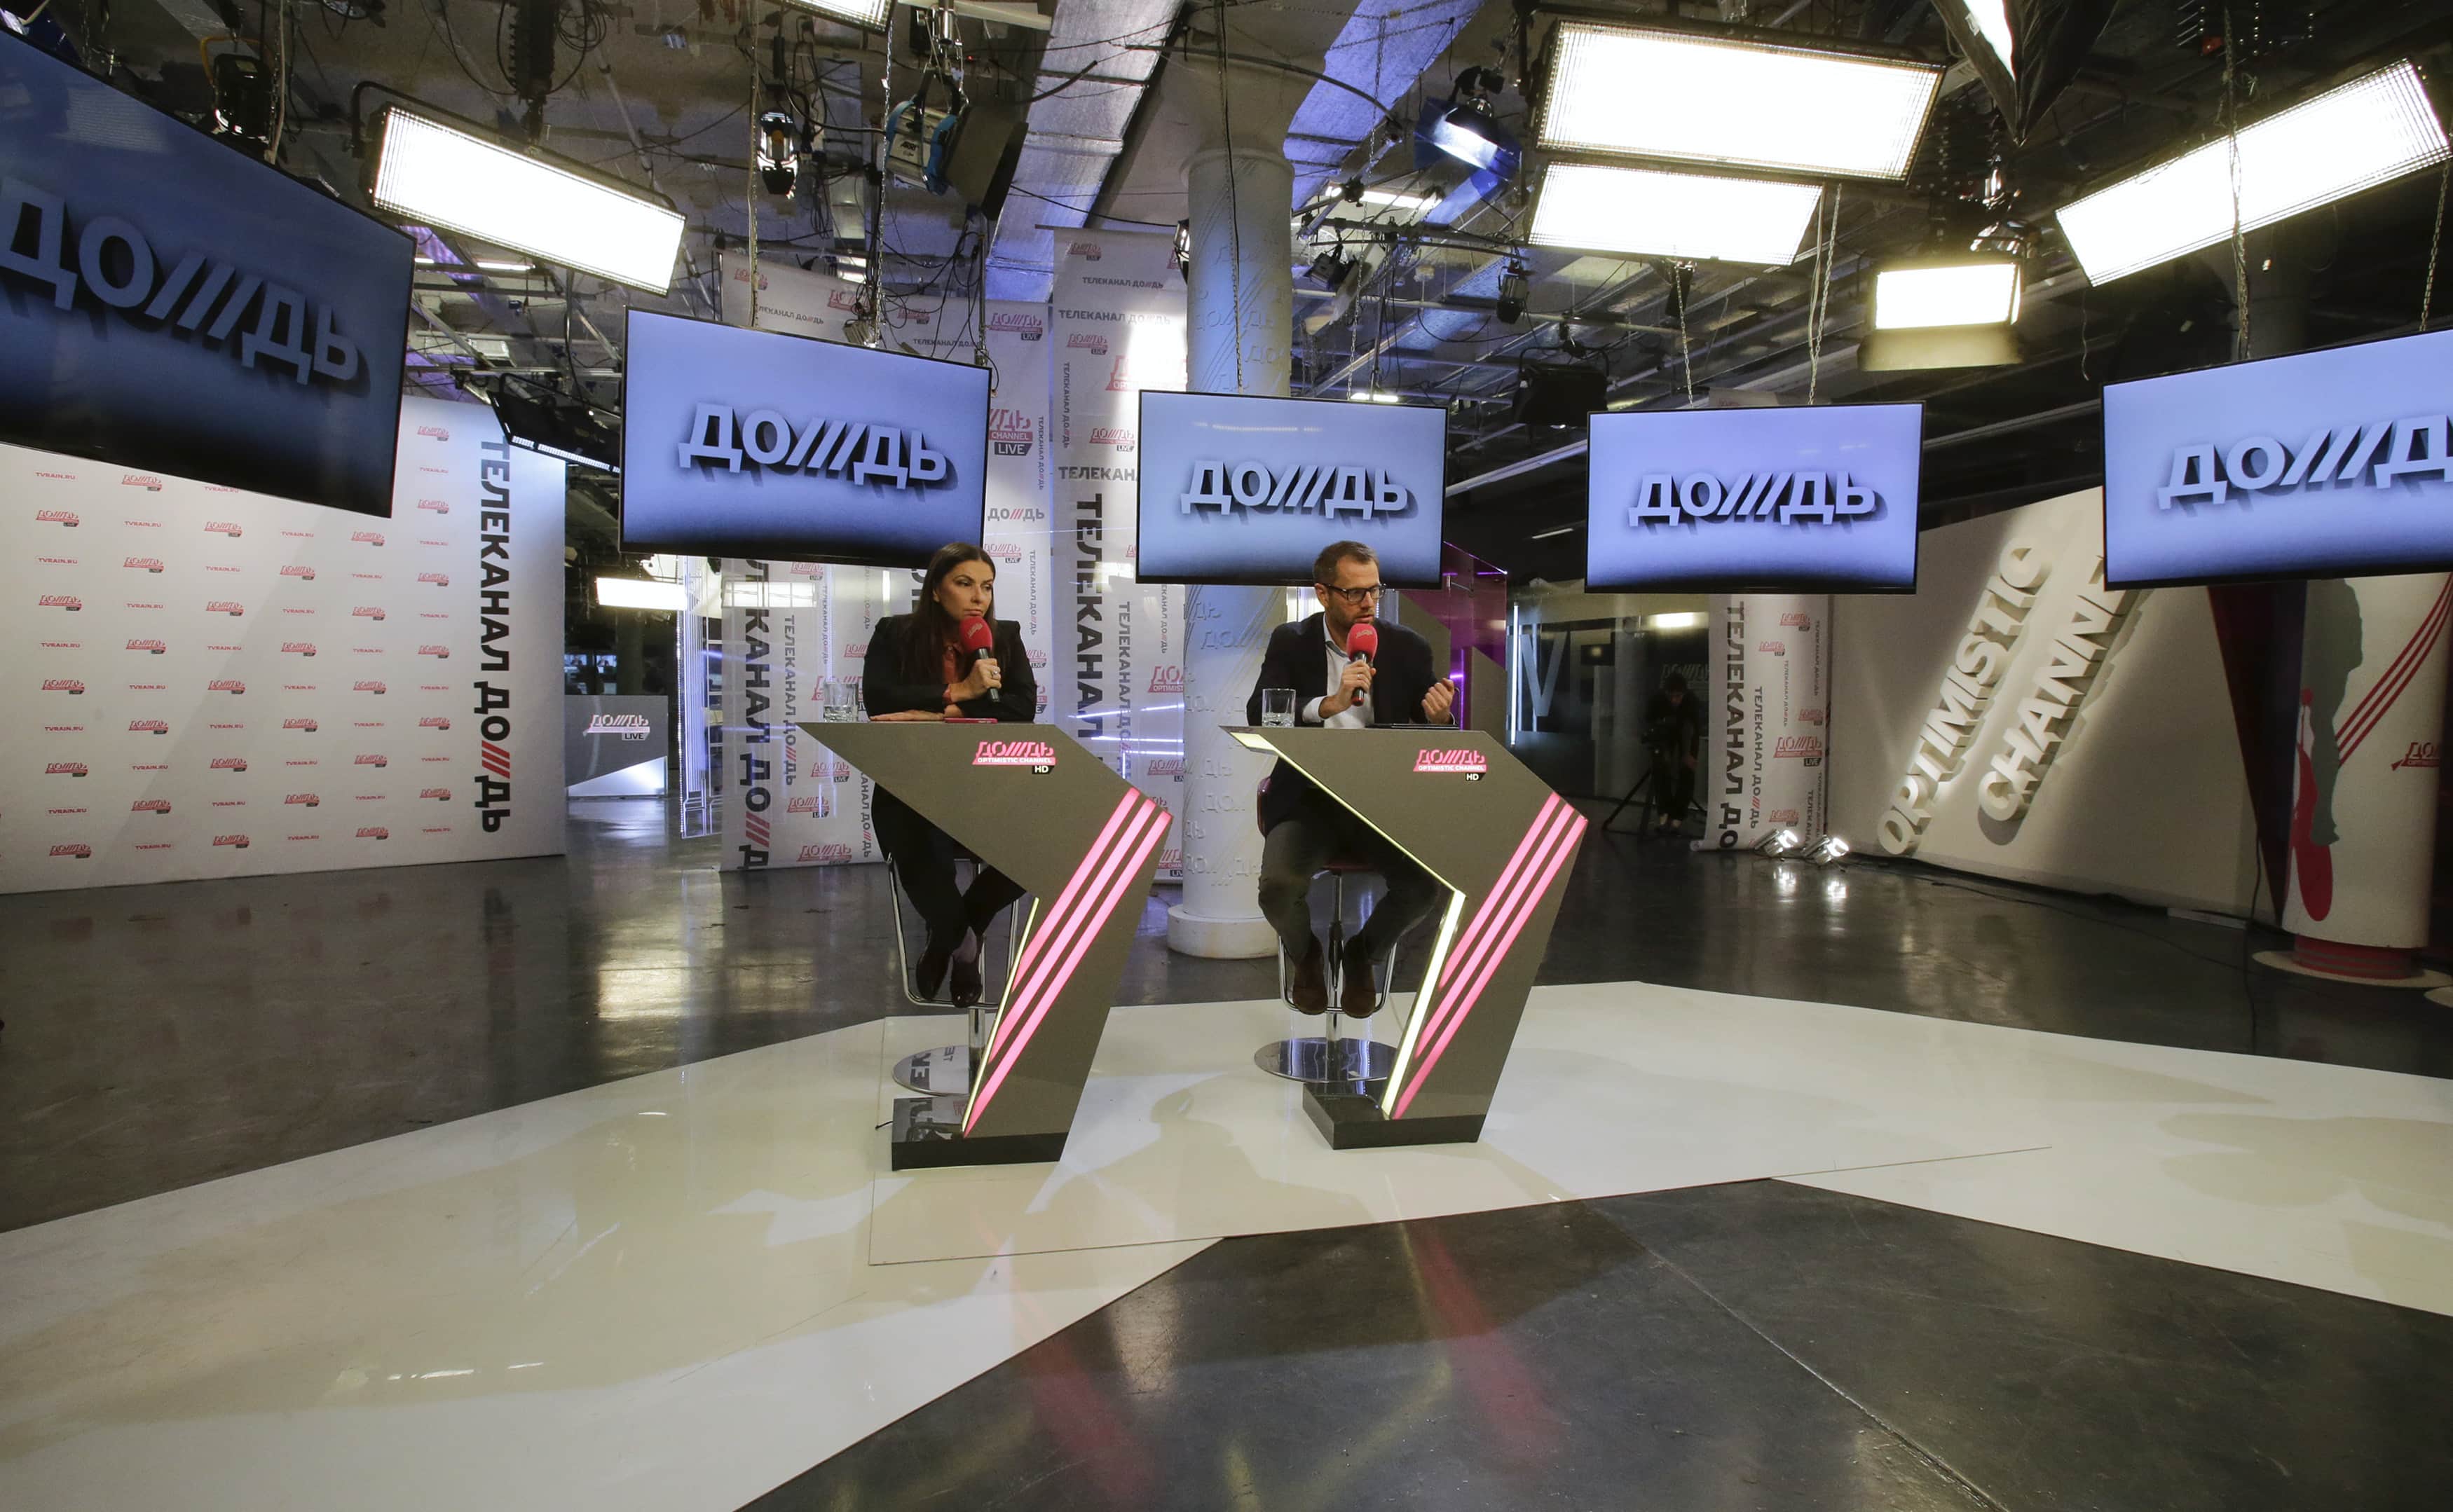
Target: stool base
{"x": 1309, "y": 1058}
{"x": 944, "y": 1071}
{"x": 1352, "y": 1121}
{"x": 929, "y": 1134}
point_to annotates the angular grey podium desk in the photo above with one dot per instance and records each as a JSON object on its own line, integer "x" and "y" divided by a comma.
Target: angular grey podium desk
{"x": 1038, "y": 806}
{"x": 1502, "y": 844}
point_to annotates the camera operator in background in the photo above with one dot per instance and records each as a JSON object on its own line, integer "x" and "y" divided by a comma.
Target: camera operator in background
{"x": 1673, "y": 735}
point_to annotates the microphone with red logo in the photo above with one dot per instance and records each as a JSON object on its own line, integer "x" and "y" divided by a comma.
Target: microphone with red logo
{"x": 979, "y": 638}
{"x": 1362, "y": 645}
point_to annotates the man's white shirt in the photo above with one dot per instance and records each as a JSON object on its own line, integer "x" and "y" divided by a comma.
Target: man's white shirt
{"x": 1356, "y": 716}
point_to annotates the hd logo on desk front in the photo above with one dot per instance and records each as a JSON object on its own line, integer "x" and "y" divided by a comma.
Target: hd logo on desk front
{"x": 1036, "y": 754}
{"x": 1468, "y": 763}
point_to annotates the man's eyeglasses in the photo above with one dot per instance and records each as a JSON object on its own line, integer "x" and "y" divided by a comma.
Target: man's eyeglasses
{"x": 1356, "y": 598}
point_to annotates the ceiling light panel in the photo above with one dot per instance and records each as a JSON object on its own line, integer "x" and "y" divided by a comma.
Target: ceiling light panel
{"x": 1644, "y": 213}
{"x": 442, "y": 176}
{"x": 869, "y": 13}
{"x": 2347, "y": 139}
{"x": 1979, "y": 293}
{"x": 1643, "y": 92}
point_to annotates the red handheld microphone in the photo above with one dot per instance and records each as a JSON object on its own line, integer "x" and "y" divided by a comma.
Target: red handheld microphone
{"x": 979, "y": 638}
{"x": 1362, "y": 644}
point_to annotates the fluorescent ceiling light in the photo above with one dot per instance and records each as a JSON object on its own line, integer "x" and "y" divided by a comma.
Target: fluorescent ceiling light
{"x": 1390, "y": 199}
{"x": 494, "y": 265}
{"x": 2347, "y": 139}
{"x": 443, "y": 176}
{"x": 1644, "y": 213}
{"x": 633, "y": 593}
{"x": 869, "y": 13}
{"x": 1687, "y": 621}
{"x": 1371, "y": 396}
{"x": 1545, "y": 535}
{"x": 1647, "y": 93}
{"x": 1979, "y": 292}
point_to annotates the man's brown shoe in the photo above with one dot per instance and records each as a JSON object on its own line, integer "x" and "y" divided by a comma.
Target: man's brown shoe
{"x": 1309, "y": 988}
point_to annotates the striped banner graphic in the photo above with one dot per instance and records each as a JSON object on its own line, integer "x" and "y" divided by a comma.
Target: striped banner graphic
{"x": 2381, "y": 699}
{"x": 1058, "y": 943}
{"x": 1461, "y": 973}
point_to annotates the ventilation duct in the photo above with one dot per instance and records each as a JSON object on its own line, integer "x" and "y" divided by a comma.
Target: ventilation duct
{"x": 2047, "y": 41}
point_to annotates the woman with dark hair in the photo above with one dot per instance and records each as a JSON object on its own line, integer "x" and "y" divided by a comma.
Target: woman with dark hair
{"x": 917, "y": 669}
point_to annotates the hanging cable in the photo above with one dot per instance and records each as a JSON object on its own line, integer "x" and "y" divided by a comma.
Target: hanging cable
{"x": 2427, "y": 292}
{"x": 2242, "y": 345}
{"x": 755, "y": 75}
{"x": 280, "y": 70}
{"x": 1234, "y": 207}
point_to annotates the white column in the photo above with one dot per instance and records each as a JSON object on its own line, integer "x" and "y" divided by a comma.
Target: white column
{"x": 1240, "y": 305}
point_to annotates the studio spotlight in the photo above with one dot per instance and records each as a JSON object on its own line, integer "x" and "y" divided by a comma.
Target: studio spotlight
{"x": 2364, "y": 134}
{"x": 1468, "y": 129}
{"x": 779, "y": 152}
{"x": 1829, "y": 850}
{"x": 1331, "y": 268}
{"x": 1511, "y": 293}
{"x": 1953, "y": 310}
{"x": 1780, "y": 842}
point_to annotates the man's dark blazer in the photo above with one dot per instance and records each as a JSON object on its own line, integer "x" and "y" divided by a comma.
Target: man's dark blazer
{"x": 886, "y": 688}
{"x": 1298, "y": 658}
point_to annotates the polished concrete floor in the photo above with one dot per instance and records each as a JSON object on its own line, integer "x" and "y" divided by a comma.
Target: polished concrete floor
{"x": 2094, "y": 1267}
{"x": 1756, "y": 1345}
{"x": 163, "y": 1036}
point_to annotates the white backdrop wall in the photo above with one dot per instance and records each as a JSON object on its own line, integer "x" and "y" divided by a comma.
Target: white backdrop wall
{"x": 1118, "y": 327}
{"x": 1765, "y": 717}
{"x": 2013, "y": 717}
{"x": 789, "y": 626}
{"x": 212, "y": 683}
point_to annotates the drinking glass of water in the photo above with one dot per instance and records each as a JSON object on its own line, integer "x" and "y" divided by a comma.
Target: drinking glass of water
{"x": 1276, "y": 705}
{"x": 839, "y": 702}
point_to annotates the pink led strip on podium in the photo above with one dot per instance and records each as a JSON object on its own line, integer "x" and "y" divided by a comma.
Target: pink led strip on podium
{"x": 1124, "y": 847}
{"x": 1493, "y": 932}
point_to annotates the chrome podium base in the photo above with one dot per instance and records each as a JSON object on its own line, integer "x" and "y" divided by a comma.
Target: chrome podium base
{"x": 944, "y": 1071}
{"x": 1309, "y": 1059}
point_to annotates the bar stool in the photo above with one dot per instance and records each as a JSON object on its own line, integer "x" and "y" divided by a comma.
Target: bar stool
{"x": 1326, "y": 1058}
{"x": 945, "y": 1071}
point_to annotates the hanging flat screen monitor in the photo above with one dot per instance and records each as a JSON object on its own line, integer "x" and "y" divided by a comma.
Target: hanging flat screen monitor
{"x": 1820, "y": 498}
{"x": 754, "y": 444}
{"x": 169, "y": 305}
{"x": 2322, "y": 463}
{"x": 1241, "y": 490}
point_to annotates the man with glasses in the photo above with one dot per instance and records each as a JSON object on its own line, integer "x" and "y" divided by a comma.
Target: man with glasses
{"x": 1306, "y": 828}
